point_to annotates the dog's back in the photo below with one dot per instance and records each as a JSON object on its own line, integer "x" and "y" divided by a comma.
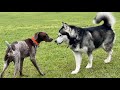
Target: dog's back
{"x": 104, "y": 31}
{"x": 16, "y": 48}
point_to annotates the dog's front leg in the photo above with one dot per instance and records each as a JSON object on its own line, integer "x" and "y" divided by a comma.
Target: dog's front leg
{"x": 33, "y": 60}
{"x": 78, "y": 60}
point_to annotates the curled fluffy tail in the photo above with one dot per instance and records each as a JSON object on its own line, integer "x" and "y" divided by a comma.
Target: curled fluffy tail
{"x": 107, "y": 17}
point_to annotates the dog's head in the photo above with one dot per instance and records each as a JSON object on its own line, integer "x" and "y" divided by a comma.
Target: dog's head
{"x": 65, "y": 33}
{"x": 42, "y": 36}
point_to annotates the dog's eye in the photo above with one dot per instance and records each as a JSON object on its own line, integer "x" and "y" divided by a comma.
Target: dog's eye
{"x": 60, "y": 35}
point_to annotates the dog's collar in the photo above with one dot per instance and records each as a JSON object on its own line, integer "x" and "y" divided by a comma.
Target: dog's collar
{"x": 33, "y": 39}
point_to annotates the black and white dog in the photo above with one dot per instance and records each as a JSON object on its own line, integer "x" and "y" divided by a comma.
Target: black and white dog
{"x": 88, "y": 39}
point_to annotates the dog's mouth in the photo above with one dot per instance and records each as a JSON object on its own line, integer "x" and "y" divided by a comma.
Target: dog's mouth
{"x": 58, "y": 43}
{"x": 49, "y": 40}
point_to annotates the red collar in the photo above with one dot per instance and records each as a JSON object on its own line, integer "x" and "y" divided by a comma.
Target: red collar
{"x": 33, "y": 39}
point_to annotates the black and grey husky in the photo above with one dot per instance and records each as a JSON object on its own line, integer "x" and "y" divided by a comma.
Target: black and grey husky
{"x": 88, "y": 39}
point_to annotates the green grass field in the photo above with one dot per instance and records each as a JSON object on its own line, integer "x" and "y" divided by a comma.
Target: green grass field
{"x": 56, "y": 61}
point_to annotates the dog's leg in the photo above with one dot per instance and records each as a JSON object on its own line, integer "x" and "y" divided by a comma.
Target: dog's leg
{"x": 109, "y": 57}
{"x": 78, "y": 60}
{"x": 17, "y": 66}
{"x": 33, "y": 60}
{"x": 21, "y": 66}
{"x": 108, "y": 49}
{"x": 90, "y": 56}
{"x": 4, "y": 68}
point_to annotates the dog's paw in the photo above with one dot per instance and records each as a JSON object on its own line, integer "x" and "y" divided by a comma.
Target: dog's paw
{"x": 1, "y": 75}
{"x": 42, "y": 74}
{"x": 89, "y": 66}
{"x": 106, "y": 61}
{"x": 23, "y": 75}
{"x": 74, "y": 72}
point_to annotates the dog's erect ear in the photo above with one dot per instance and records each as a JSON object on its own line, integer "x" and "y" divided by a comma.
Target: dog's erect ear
{"x": 67, "y": 28}
{"x": 65, "y": 25}
{"x": 36, "y": 35}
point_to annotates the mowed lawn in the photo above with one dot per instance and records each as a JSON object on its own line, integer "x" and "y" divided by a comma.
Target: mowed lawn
{"x": 56, "y": 61}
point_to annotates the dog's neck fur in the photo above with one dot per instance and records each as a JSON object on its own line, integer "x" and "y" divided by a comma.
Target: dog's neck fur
{"x": 30, "y": 43}
{"x": 39, "y": 40}
{"x": 33, "y": 39}
{"x": 74, "y": 40}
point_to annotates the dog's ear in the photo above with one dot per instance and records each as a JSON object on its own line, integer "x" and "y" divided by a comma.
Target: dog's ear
{"x": 36, "y": 35}
{"x": 65, "y": 25}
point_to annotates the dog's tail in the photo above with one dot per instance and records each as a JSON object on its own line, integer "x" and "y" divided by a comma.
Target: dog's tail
{"x": 8, "y": 45}
{"x": 9, "y": 50}
{"x": 107, "y": 17}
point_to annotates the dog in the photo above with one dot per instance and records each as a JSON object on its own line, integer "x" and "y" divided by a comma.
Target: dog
{"x": 19, "y": 50}
{"x": 86, "y": 40}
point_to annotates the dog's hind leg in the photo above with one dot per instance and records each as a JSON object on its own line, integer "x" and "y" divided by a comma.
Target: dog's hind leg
{"x": 17, "y": 66}
{"x": 109, "y": 56}
{"x": 108, "y": 45}
{"x": 4, "y": 68}
{"x": 78, "y": 60}
{"x": 90, "y": 56}
{"x": 108, "y": 49}
{"x": 21, "y": 66}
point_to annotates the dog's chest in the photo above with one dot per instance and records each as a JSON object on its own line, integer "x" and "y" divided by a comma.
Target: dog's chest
{"x": 78, "y": 49}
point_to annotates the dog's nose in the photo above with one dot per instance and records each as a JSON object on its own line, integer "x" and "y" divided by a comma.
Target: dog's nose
{"x": 55, "y": 41}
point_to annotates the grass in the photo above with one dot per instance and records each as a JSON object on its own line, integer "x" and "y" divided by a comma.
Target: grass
{"x": 56, "y": 61}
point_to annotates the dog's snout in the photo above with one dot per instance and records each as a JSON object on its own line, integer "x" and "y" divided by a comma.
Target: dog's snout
{"x": 51, "y": 39}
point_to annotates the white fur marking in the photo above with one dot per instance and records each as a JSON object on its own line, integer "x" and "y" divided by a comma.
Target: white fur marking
{"x": 114, "y": 38}
{"x": 73, "y": 34}
{"x": 78, "y": 60}
{"x": 59, "y": 39}
{"x": 90, "y": 34}
{"x": 5, "y": 65}
{"x": 94, "y": 22}
{"x": 62, "y": 38}
{"x": 89, "y": 65}
{"x": 84, "y": 49}
{"x": 109, "y": 57}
